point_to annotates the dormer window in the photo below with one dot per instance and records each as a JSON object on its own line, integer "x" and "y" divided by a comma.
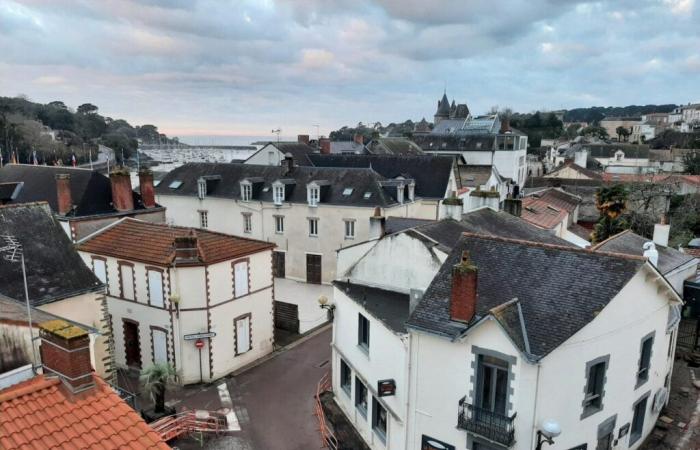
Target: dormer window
{"x": 246, "y": 191}
{"x": 313, "y": 193}
{"x": 278, "y": 193}
{"x": 399, "y": 193}
{"x": 411, "y": 192}
{"x": 201, "y": 188}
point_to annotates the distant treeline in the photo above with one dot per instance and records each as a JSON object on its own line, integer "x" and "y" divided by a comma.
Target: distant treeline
{"x": 595, "y": 114}
{"x": 56, "y": 132}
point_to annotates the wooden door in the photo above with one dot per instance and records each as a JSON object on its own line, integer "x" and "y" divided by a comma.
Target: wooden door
{"x": 278, "y": 267}
{"x": 132, "y": 345}
{"x": 313, "y": 269}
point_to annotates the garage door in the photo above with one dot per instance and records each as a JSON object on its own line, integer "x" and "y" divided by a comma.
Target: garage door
{"x": 287, "y": 316}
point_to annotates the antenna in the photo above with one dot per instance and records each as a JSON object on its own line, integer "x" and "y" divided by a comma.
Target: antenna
{"x": 277, "y": 132}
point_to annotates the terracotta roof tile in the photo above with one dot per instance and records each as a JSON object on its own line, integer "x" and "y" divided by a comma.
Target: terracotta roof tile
{"x": 136, "y": 240}
{"x": 541, "y": 213}
{"x": 41, "y": 413}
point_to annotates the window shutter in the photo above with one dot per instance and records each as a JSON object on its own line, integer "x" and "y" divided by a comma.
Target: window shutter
{"x": 241, "y": 280}
{"x": 100, "y": 269}
{"x": 127, "y": 273}
{"x": 155, "y": 288}
{"x": 160, "y": 347}
{"x": 243, "y": 335}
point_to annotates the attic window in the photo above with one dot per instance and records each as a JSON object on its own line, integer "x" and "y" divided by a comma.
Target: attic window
{"x": 202, "y": 188}
{"x": 348, "y": 191}
{"x": 478, "y": 145}
{"x": 367, "y": 195}
{"x": 246, "y": 191}
{"x": 175, "y": 184}
{"x": 266, "y": 189}
{"x": 156, "y": 183}
{"x": 278, "y": 193}
{"x": 531, "y": 209}
{"x": 313, "y": 193}
{"x": 553, "y": 208}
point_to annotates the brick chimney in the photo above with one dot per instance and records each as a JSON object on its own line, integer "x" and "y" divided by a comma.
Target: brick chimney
{"x": 65, "y": 352}
{"x": 324, "y": 146}
{"x": 186, "y": 248}
{"x": 377, "y": 224}
{"x": 148, "y": 194}
{"x": 513, "y": 206}
{"x": 287, "y": 163}
{"x": 122, "y": 196}
{"x": 65, "y": 199}
{"x": 463, "y": 296}
{"x": 303, "y": 139}
{"x": 359, "y": 139}
{"x": 505, "y": 125}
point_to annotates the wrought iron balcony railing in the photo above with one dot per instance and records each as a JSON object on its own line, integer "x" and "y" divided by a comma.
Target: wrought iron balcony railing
{"x": 490, "y": 425}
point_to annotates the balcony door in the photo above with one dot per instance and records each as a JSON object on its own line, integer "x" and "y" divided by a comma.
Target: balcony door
{"x": 492, "y": 384}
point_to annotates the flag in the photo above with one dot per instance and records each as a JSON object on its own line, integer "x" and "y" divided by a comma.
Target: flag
{"x": 73, "y": 160}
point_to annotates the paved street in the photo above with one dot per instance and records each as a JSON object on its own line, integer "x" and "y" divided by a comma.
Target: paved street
{"x": 273, "y": 401}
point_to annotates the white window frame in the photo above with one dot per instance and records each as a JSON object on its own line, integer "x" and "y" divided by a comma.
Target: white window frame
{"x": 278, "y": 193}
{"x": 203, "y": 218}
{"x": 156, "y": 296}
{"x": 242, "y": 329}
{"x": 127, "y": 285}
{"x": 247, "y": 222}
{"x": 246, "y": 191}
{"x": 313, "y": 194}
{"x": 349, "y": 228}
{"x": 201, "y": 188}
{"x": 241, "y": 279}
{"x": 279, "y": 224}
{"x": 101, "y": 274}
{"x": 313, "y": 226}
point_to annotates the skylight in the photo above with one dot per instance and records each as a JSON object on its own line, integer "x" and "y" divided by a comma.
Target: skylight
{"x": 175, "y": 184}
{"x": 156, "y": 183}
{"x": 348, "y": 191}
{"x": 367, "y": 195}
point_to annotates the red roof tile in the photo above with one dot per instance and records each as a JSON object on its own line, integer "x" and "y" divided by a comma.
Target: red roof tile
{"x": 136, "y": 240}
{"x": 541, "y": 213}
{"x": 41, "y": 413}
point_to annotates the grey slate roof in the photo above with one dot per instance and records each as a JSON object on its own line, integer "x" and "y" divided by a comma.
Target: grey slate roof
{"x": 488, "y": 222}
{"x": 396, "y": 224}
{"x": 54, "y": 269}
{"x": 560, "y": 289}
{"x": 431, "y": 173}
{"x": 393, "y": 146}
{"x": 472, "y": 176}
{"x": 388, "y": 306}
{"x": 347, "y": 147}
{"x": 298, "y": 150}
{"x": 630, "y": 243}
{"x": 361, "y": 180}
{"x": 91, "y": 191}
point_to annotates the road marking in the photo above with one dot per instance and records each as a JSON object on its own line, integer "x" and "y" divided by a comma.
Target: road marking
{"x": 225, "y": 397}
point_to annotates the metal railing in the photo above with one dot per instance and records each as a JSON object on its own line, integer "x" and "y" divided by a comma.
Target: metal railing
{"x": 488, "y": 424}
{"x": 328, "y": 438}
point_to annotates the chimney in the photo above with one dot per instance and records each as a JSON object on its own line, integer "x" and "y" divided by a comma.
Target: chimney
{"x": 324, "y": 146}
{"x": 65, "y": 199}
{"x": 359, "y": 139}
{"x": 122, "y": 196}
{"x": 661, "y": 233}
{"x": 415, "y": 296}
{"x": 453, "y": 207}
{"x": 303, "y": 139}
{"x": 377, "y": 224}
{"x": 513, "y": 206}
{"x": 287, "y": 163}
{"x": 148, "y": 195}
{"x": 505, "y": 125}
{"x": 65, "y": 352}
{"x": 463, "y": 296}
{"x": 186, "y": 248}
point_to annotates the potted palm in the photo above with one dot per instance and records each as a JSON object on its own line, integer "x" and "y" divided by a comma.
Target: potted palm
{"x": 155, "y": 380}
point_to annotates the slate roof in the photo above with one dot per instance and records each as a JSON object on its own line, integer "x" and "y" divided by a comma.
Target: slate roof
{"x": 54, "y": 269}
{"x": 472, "y": 176}
{"x": 393, "y": 146}
{"x": 609, "y": 150}
{"x": 152, "y": 243}
{"x": 361, "y": 180}
{"x": 390, "y": 307}
{"x": 91, "y": 191}
{"x": 559, "y": 289}
{"x": 430, "y": 173}
{"x": 298, "y": 150}
{"x": 396, "y": 224}
{"x": 40, "y": 413}
{"x": 488, "y": 222}
{"x": 582, "y": 170}
{"x": 630, "y": 243}
{"x": 347, "y": 147}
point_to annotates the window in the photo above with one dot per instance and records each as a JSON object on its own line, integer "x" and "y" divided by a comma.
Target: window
{"x": 160, "y": 345}
{"x": 203, "y": 219}
{"x": 201, "y": 188}
{"x": 367, "y": 195}
{"x": 155, "y": 288}
{"x": 595, "y": 381}
{"x": 175, "y": 184}
{"x": 314, "y": 194}
{"x": 127, "y": 281}
{"x": 242, "y": 334}
{"x": 349, "y": 229}
{"x": 99, "y": 267}
{"x": 246, "y": 191}
{"x": 399, "y": 193}
{"x": 347, "y": 192}
{"x": 640, "y": 409}
{"x": 240, "y": 281}
{"x": 362, "y": 332}
{"x": 278, "y": 193}
{"x": 411, "y": 192}
{"x": 361, "y": 397}
{"x": 379, "y": 419}
{"x": 278, "y": 264}
{"x": 279, "y": 224}
{"x": 313, "y": 226}
{"x": 345, "y": 376}
{"x": 247, "y": 222}
{"x": 645, "y": 359}
{"x": 271, "y": 157}
{"x": 492, "y": 384}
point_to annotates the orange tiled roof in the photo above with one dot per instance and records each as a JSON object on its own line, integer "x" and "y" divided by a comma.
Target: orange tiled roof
{"x": 41, "y": 413}
{"x": 541, "y": 213}
{"x": 136, "y": 240}
{"x": 656, "y": 178}
{"x": 558, "y": 198}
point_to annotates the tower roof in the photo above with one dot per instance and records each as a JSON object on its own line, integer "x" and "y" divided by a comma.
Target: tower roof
{"x": 443, "y": 106}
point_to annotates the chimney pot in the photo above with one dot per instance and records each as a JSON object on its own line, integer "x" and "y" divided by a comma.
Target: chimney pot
{"x": 122, "y": 195}
{"x": 303, "y": 139}
{"x": 63, "y": 193}
{"x": 463, "y": 296}
{"x": 148, "y": 195}
{"x": 65, "y": 351}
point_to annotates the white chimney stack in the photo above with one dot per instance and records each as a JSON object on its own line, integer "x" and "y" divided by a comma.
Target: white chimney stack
{"x": 661, "y": 233}
{"x": 651, "y": 253}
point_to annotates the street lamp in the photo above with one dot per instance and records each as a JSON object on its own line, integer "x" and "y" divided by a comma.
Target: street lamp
{"x": 11, "y": 249}
{"x": 549, "y": 430}
{"x": 323, "y": 304}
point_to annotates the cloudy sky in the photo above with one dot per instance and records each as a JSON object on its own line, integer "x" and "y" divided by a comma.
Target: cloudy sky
{"x": 246, "y": 66}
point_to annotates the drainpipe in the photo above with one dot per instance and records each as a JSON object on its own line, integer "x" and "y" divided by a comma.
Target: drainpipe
{"x": 534, "y": 412}
{"x": 407, "y": 420}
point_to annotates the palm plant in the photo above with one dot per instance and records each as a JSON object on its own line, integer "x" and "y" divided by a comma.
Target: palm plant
{"x": 155, "y": 379}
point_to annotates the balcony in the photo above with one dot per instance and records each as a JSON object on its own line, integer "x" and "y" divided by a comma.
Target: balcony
{"x": 487, "y": 424}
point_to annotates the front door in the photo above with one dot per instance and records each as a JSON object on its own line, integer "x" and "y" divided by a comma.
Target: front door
{"x": 313, "y": 269}
{"x": 132, "y": 346}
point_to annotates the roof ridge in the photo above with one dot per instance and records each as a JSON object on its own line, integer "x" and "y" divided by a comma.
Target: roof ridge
{"x": 36, "y": 383}
{"x": 554, "y": 246}
{"x": 20, "y": 205}
{"x": 609, "y": 238}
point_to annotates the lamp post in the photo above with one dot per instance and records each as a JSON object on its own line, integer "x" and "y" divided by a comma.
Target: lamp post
{"x": 323, "y": 304}
{"x": 547, "y": 432}
{"x": 11, "y": 249}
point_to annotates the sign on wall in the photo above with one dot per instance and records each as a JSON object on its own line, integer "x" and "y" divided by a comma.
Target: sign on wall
{"x": 192, "y": 337}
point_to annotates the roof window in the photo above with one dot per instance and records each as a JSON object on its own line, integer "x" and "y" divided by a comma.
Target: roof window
{"x": 175, "y": 184}
{"x": 367, "y": 195}
{"x": 348, "y": 191}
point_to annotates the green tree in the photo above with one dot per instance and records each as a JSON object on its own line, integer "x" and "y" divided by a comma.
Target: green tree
{"x": 691, "y": 163}
{"x": 87, "y": 108}
{"x": 595, "y": 131}
{"x": 611, "y": 203}
{"x": 155, "y": 380}
{"x": 622, "y": 133}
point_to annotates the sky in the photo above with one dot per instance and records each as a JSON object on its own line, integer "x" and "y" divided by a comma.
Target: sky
{"x": 245, "y": 67}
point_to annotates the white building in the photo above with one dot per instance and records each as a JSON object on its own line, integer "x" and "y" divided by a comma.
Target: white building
{"x": 508, "y": 334}
{"x": 273, "y": 153}
{"x": 199, "y": 300}
{"x": 308, "y": 212}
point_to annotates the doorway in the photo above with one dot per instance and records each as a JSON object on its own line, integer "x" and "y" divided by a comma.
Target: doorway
{"x": 132, "y": 344}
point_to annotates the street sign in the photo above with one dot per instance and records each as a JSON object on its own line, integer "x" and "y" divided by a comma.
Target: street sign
{"x": 192, "y": 337}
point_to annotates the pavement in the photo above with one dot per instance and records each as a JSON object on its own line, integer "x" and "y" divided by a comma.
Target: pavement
{"x": 273, "y": 402}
